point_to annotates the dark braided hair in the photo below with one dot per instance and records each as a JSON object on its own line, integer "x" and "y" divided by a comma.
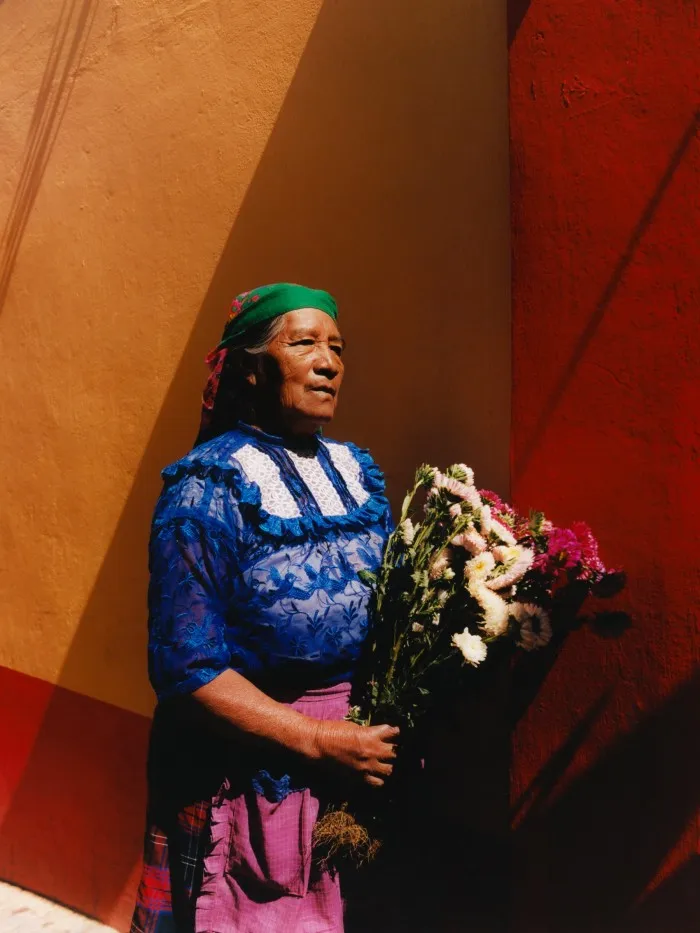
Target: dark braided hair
{"x": 234, "y": 397}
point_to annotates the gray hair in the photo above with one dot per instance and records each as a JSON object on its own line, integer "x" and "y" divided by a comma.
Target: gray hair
{"x": 258, "y": 340}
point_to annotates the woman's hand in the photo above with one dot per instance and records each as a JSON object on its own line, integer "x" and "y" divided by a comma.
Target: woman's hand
{"x": 368, "y": 750}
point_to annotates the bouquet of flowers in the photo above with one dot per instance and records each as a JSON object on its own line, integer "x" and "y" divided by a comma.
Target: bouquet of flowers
{"x": 466, "y": 572}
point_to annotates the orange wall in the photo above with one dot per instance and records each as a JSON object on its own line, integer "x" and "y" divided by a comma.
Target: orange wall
{"x": 159, "y": 156}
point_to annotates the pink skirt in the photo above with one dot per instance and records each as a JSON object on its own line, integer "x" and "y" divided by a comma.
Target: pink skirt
{"x": 259, "y": 876}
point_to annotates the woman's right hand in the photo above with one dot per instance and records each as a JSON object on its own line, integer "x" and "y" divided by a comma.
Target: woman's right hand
{"x": 367, "y": 750}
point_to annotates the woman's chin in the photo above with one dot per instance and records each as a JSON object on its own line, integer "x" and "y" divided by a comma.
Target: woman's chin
{"x": 316, "y": 417}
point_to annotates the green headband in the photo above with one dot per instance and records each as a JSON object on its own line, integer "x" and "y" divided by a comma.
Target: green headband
{"x": 271, "y": 301}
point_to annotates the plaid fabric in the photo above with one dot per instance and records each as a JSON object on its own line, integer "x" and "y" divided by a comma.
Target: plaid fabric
{"x": 172, "y": 872}
{"x": 220, "y": 857}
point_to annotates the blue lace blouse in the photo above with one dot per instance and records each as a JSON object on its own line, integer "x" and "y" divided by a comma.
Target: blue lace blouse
{"x": 254, "y": 557}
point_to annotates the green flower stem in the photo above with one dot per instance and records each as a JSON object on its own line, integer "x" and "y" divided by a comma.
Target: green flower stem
{"x": 424, "y": 551}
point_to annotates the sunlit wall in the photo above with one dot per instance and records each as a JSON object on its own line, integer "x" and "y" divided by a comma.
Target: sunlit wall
{"x": 159, "y": 157}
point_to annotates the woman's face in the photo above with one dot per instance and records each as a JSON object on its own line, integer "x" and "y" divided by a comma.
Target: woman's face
{"x": 301, "y": 373}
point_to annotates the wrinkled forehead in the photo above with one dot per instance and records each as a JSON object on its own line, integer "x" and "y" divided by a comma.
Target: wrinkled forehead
{"x": 309, "y": 321}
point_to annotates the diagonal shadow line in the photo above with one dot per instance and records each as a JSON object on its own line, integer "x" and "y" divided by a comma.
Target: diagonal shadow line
{"x": 678, "y": 896}
{"x": 613, "y": 825}
{"x": 517, "y": 11}
{"x": 251, "y": 254}
{"x": 321, "y": 208}
{"x": 546, "y": 780}
{"x": 67, "y": 50}
{"x": 601, "y": 308}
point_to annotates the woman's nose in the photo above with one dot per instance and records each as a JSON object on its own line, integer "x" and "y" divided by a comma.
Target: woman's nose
{"x": 326, "y": 363}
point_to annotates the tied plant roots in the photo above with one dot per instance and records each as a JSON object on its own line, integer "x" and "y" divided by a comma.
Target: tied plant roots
{"x": 354, "y": 832}
{"x": 339, "y": 836}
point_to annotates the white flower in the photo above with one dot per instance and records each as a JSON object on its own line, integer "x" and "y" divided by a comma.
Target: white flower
{"x": 442, "y": 598}
{"x": 532, "y": 636}
{"x": 457, "y": 489}
{"x": 479, "y": 566}
{"x": 436, "y": 619}
{"x": 473, "y": 647}
{"x": 495, "y": 621}
{"x": 473, "y": 497}
{"x": 448, "y": 574}
{"x": 501, "y": 532}
{"x": 408, "y": 532}
{"x": 517, "y": 560}
{"x": 456, "y": 510}
{"x": 417, "y": 627}
{"x": 470, "y": 540}
{"x": 485, "y": 520}
{"x": 463, "y": 472}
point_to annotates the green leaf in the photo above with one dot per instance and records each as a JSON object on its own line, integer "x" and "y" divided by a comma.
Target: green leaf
{"x": 424, "y": 475}
{"x": 367, "y": 577}
{"x": 456, "y": 471}
{"x": 420, "y": 578}
{"x": 536, "y": 521}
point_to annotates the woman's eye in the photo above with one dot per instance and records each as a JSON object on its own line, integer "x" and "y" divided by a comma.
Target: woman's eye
{"x": 306, "y": 342}
{"x": 337, "y": 349}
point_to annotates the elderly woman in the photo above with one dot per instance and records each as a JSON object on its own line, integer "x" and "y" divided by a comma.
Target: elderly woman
{"x": 256, "y": 619}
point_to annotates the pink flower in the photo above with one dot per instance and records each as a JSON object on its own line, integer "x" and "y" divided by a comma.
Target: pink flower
{"x": 456, "y": 488}
{"x": 470, "y": 540}
{"x": 495, "y": 501}
{"x": 541, "y": 562}
{"x": 518, "y": 560}
{"x": 589, "y": 547}
{"x": 440, "y": 565}
{"x": 502, "y": 531}
{"x": 564, "y": 548}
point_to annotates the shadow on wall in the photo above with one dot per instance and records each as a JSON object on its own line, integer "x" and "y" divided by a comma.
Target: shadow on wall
{"x": 517, "y": 11}
{"x": 588, "y": 333}
{"x": 372, "y": 184}
{"x": 67, "y": 49}
{"x": 448, "y": 868}
{"x": 588, "y": 852}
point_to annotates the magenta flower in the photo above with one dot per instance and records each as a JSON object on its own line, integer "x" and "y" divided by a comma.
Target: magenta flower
{"x": 493, "y": 498}
{"x": 541, "y": 563}
{"x": 496, "y": 502}
{"x": 589, "y": 547}
{"x": 564, "y": 547}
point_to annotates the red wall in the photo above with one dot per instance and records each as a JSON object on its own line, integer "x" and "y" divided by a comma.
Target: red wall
{"x": 72, "y": 796}
{"x": 606, "y": 426}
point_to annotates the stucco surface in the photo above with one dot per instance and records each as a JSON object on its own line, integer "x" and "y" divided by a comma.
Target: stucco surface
{"x": 157, "y": 158}
{"x": 606, "y": 216}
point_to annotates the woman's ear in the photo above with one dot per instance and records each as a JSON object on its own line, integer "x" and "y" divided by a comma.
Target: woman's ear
{"x": 255, "y": 372}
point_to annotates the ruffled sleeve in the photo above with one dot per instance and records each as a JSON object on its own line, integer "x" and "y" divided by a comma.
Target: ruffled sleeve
{"x": 192, "y": 563}
{"x": 373, "y": 481}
